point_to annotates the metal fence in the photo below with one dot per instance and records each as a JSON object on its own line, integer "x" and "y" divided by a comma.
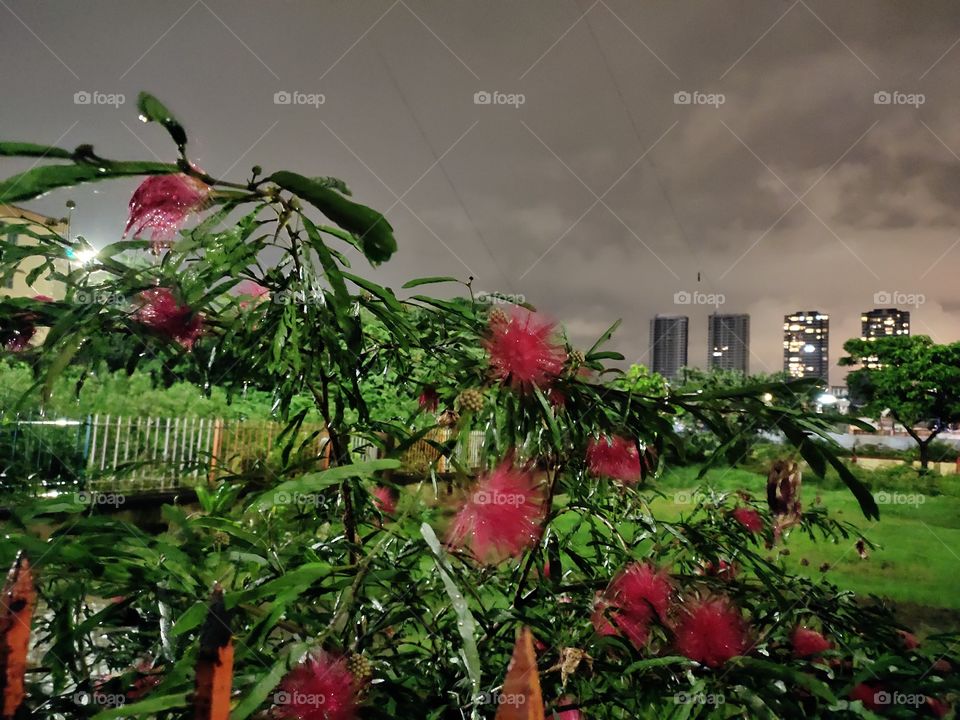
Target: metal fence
{"x": 157, "y": 454}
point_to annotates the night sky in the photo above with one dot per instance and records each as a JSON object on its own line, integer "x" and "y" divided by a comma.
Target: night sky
{"x": 786, "y": 182}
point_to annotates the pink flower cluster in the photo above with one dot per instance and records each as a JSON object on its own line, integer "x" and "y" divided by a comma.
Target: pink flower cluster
{"x": 615, "y": 457}
{"x": 522, "y": 352}
{"x": 501, "y": 516}
{"x": 161, "y": 205}
{"x": 161, "y": 312}
{"x": 320, "y": 688}
{"x": 635, "y": 598}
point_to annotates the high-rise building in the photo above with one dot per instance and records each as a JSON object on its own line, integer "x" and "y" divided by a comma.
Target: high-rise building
{"x": 883, "y": 322}
{"x": 668, "y": 344}
{"x": 728, "y": 342}
{"x": 806, "y": 344}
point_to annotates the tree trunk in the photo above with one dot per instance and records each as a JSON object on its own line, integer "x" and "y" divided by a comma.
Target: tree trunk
{"x": 924, "y": 454}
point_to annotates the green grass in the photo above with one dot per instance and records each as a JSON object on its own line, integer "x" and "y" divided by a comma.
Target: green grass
{"x": 917, "y": 560}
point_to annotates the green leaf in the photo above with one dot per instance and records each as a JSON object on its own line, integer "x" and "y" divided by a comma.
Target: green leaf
{"x": 785, "y": 672}
{"x": 190, "y": 619}
{"x": 152, "y": 110}
{"x": 40, "y": 180}
{"x": 603, "y": 338}
{"x": 465, "y": 622}
{"x": 149, "y": 706}
{"x": 429, "y": 281}
{"x": 20, "y": 149}
{"x": 333, "y": 183}
{"x": 268, "y": 682}
{"x": 550, "y": 420}
{"x": 312, "y": 482}
{"x": 375, "y": 233}
{"x": 604, "y": 355}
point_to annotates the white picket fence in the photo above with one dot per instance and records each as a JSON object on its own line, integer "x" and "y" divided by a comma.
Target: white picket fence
{"x": 149, "y": 453}
{"x": 162, "y": 454}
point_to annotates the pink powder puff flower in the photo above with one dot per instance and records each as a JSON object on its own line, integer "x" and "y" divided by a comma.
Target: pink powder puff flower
{"x": 501, "y": 516}
{"x": 17, "y": 337}
{"x": 161, "y": 205}
{"x": 384, "y": 500}
{"x": 720, "y": 569}
{"x": 429, "y": 399}
{"x": 22, "y": 328}
{"x": 614, "y": 457}
{"x": 867, "y": 694}
{"x": 938, "y": 708}
{"x": 807, "y": 642}
{"x": 636, "y": 597}
{"x": 160, "y": 311}
{"x": 711, "y": 632}
{"x": 574, "y": 714}
{"x": 320, "y": 688}
{"x": 749, "y": 518}
{"x": 522, "y": 351}
{"x": 910, "y": 641}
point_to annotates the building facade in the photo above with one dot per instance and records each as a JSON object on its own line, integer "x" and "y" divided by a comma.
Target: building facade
{"x": 806, "y": 344}
{"x": 883, "y": 322}
{"x": 728, "y": 342}
{"x": 668, "y": 344}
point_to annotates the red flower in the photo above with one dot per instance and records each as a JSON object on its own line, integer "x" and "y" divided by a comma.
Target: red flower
{"x": 17, "y": 337}
{"x": 20, "y": 330}
{"x": 161, "y": 204}
{"x": 615, "y": 457}
{"x": 937, "y": 707}
{"x": 721, "y": 569}
{"x": 574, "y": 714}
{"x": 910, "y": 641}
{"x": 320, "y": 688}
{"x": 501, "y": 515}
{"x": 867, "y": 694}
{"x": 160, "y": 311}
{"x": 429, "y": 399}
{"x": 749, "y": 518}
{"x": 711, "y": 632}
{"x": 384, "y": 500}
{"x": 637, "y": 596}
{"x": 807, "y": 642}
{"x": 522, "y": 351}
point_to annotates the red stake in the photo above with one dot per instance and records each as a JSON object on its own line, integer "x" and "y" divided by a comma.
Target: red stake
{"x": 16, "y": 610}
{"x": 211, "y": 700}
{"x": 520, "y": 698}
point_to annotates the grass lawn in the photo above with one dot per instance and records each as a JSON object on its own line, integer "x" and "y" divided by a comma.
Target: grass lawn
{"x": 916, "y": 563}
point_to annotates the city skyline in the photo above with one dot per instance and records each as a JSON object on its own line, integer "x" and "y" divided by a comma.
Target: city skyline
{"x": 729, "y": 347}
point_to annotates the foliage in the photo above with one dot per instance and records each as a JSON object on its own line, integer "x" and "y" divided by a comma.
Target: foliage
{"x": 917, "y": 380}
{"x": 313, "y": 563}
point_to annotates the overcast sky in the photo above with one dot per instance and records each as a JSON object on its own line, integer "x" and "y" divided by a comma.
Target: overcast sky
{"x": 786, "y": 183}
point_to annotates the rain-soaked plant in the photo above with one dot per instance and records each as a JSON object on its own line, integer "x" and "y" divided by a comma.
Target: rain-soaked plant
{"x": 357, "y": 590}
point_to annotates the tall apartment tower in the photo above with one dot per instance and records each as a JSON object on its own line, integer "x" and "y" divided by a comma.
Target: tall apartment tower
{"x": 728, "y": 342}
{"x": 806, "y": 344}
{"x": 883, "y": 322}
{"x": 668, "y": 344}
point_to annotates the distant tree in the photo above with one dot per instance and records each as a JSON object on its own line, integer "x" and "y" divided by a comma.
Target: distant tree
{"x": 642, "y": 380}
{"x": 915, "y": 379}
